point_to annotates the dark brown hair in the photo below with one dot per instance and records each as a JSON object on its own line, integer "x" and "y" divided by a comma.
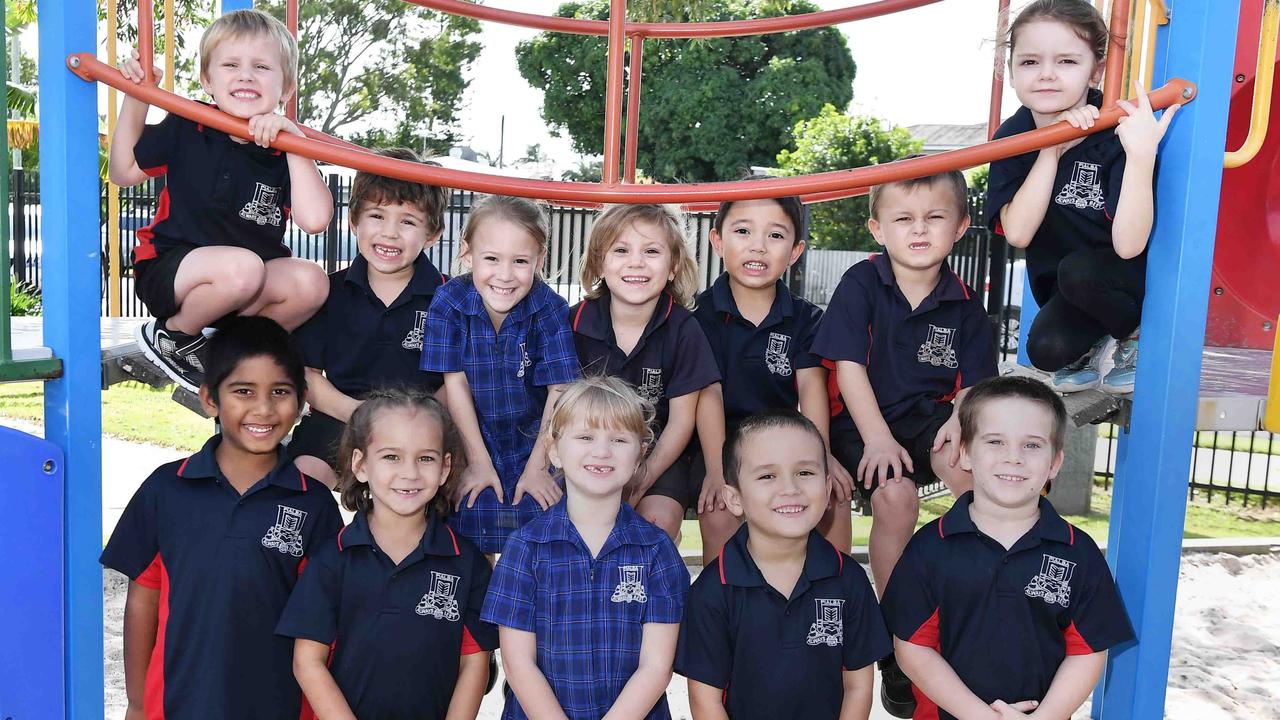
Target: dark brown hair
{"x": 1012, "y": 386}
{"x": 359, "y": 433}
{"x": 792, "y": 207}
{"x": 615, "y": 219}
{"x": 368, "y": 190}
{"x": 763, "y": 422}
{"x": 1079, "y": 15}
{"x": 954, "y": 180}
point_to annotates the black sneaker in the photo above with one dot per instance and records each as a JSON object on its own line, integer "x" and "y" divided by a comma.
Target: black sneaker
{"x": 176, "y": 353}
{"x": 895, "y": 689}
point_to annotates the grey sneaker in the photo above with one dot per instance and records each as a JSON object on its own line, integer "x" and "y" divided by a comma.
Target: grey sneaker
{"x": 1082, "y": 374}
{"x": 176, "y": 353}
{"x": 1119, "y": 381}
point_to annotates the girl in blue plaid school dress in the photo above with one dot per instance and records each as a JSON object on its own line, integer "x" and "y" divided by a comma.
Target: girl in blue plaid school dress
{"x": 588, "y": 597}
{"x": 501, "y": 338}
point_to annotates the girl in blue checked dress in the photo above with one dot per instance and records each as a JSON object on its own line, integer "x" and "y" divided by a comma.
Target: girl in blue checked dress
{"x": 501, "y": 338}
{"x": 588, "y": 596}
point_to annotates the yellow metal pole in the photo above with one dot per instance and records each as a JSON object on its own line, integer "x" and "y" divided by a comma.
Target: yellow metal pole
{"x": 1262, "y": 81}
{"x": 1134, "y": 52}
{"x": 168, "y": 45}
{"x": 113, "y": 190}
{"x": 1271, "y": 421}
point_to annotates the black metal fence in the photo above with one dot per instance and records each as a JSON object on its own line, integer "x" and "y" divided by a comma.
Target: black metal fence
{"x": 1227, "y": 467}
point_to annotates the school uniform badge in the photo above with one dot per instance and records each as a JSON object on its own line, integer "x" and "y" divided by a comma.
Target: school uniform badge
{"x": 776, "y": 358}
{"x": 651, "y": 385}
{"x": 263, "y": 209}
{"x": 1085, "y": 188}
{"x": 440, "y": 602}
{"x": 828, "y": 627}
{"x": 937, "y": 350}
{"x": 525, "y": 362}
{"x": 1054, "y": 581}
{"x": 286, "y": 534}
{"x": 630, "y": 586}
{"x": 413, "y": 341}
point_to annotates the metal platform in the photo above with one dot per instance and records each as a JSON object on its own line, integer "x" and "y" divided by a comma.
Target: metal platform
{"x": 122, "y": 361}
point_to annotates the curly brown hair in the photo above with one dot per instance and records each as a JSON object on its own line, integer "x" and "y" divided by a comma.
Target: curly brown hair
{"x": 359, "y": 433}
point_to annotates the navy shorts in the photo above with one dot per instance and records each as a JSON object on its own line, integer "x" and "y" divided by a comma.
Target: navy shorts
{"x": 318, "y": 435}
{"x": 682, "y": 481}
{"x": 915, "y": 433}
{"x": 153, "y": 282}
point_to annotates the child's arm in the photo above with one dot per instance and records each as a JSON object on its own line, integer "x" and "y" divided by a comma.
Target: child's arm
{"x": 1021, "y": 218}
{"x": 473, "y": 675}
{"x": 705, "y": 702}
{"x": 674, "y": 439}
{"x": 880, "y": 450}
{"x": 328, "y": 399}
{"x": 814, "y": 404}
{"x": 141, "y": 617}
{"x": 310, "y": 203}
{"x": 857, "y": 694}
{"x": 649, "y": 681}
{"x": 710, "y": 423}
{"x": 480, "y": 473}
{"x": 123, "y": 166}
{"x": 1140, "y": 134}
{"x": 939, "y": 682}
{"x": 311, "y": 668}
{"x": 520, "y": 663}
{"x": 1075, "y": 679}
{"x": 535, "y": 481}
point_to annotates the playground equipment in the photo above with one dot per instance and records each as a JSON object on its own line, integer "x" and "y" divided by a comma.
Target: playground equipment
{"x": 62, "y": 517}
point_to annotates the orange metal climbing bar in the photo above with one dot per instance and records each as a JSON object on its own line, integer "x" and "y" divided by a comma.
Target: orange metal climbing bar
{"x": 1119, "y": 28}
{"x": 613, "y": 90}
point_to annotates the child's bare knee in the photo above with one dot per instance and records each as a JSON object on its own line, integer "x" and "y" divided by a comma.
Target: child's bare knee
{"x": 895, "y": 502}
{"x": 241, "y": 275}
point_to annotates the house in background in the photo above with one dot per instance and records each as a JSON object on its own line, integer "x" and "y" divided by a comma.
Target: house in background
{"x": 941, "y": 138}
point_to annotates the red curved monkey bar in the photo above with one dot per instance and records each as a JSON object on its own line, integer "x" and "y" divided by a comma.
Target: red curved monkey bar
{"x": 827, "y": 184}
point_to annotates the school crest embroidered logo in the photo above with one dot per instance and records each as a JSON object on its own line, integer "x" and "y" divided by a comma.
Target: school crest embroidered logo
{"x": 775, "y": 354}
{"x": 525, "y": 362}
{"x": 286, "y": 534}
{"x": 413, "y": 341}
{"x": 263, "y": 208}
{"x": 1054, "y": 581}
{"x": 631, "y": 585}
{"x": 828, "y": 626}
{"x": 651, "y": 385}
{"x": 1085, "y": 188}
{"x": 936, "y": 349}
{"x": 440, "y": 602}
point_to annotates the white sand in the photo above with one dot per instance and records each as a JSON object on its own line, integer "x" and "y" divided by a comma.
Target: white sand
{"x": 1226, "y": 645}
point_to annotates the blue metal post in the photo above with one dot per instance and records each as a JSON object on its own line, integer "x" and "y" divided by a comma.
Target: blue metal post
{"x": 1147, "y": 517}
{"x": 229, "y": 5}
{"x": 72, "y": 278}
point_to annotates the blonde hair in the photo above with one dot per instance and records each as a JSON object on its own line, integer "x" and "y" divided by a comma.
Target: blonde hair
{"x": 603, "y": 402}
{"x": 614, "y": 221}
{"x": 529, "y": 215}
{"x": 251, "y": 23}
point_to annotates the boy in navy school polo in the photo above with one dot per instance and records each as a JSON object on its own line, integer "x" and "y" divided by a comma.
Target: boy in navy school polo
{"x": 588, "y": 613}
{"x": 758, "y": 364}
{"x": 224, "y": 564}
{"x": 428, "y": 606}
{"x": 1003, "y": 620}
{"x": 360, "y": 344}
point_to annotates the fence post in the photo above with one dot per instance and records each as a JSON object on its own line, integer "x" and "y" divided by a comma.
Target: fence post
{"x": 331, "y": 233}
{"x": 19, "y": 225}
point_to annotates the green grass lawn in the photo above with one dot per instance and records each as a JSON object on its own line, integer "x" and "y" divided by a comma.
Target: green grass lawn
{"x": 130, "y": 411}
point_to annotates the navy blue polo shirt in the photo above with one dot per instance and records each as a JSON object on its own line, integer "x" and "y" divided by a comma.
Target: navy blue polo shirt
{"x": 1004, "y": 620}
{"x": 776, "y": 656}
{"x": 671, "y": 359}
{"x": 361, "y": 343}
{"x": 396, "y": 631}
{"x": 217, "y": 191}
{"x": 914, "y": 358}
{"x": 224, "y": 564}
{"x": 758, "y": 364}
{"x": 1086, "y": 192}
{"x": 588, "y": 613}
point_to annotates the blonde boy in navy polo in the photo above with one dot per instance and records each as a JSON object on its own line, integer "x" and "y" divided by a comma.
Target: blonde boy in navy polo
{"x": 214, "y": 544}
{"x": 781, "y": 624}
{"x": 1001, "y": 608}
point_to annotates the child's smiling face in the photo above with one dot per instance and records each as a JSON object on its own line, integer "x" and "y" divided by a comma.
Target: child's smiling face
{"x": 758, "y": 243}
{"x": 246, "y": 76}
{"x": 504, "y": 259}
{"x": 1012, "y": 454}
{"x": 404, "y": 464}
{"x": 782, "y": 488}
{"x": 637, "y": 265}
{"x": 256, "y": 406}
{"x": 597, "y": 462}
{"x": 391, "y": 236}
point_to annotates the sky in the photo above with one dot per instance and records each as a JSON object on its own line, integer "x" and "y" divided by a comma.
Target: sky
{"x": 928, "y": 65}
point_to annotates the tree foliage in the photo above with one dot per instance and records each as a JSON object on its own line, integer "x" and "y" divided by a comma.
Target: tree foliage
{"x": 709, "y": 108}
{"x": 384, "y": 63}
{"x": 835, "y": 141}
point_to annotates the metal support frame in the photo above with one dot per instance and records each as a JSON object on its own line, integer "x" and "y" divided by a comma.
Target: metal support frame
{"x": 72, "y": 253}
{"x": 1149, "y": 507}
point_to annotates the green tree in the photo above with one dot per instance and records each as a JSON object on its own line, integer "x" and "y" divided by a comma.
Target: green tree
{"x": 387, "y": 63}
{"x": 710, "y": 108}
{"x": 835, "y": 141}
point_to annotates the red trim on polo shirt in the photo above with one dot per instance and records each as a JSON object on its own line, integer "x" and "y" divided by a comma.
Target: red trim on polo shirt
{"x": 153, "y": 688}
{"x": 671, "y": 302}
{"x": 183, "y": 466}
{"x": 944, "y": 537}
{"x": 835, "y": 402}
{"x": 454, "y": 538}
{"x": 927, "y": 635}
{"x": 344, "y": 529}
{"x": 302, "y": 564}
{"x": 1071, "y": 533}
{"x": 722, "y": 580}
{"x": 302, "y": 476}
{"x": 578, "y": 315}
{"x": 1076, "y": 644}
{"x": 963, "y": 287}
{"x": 839, "y": 558}
{"x": 469, "y": 644}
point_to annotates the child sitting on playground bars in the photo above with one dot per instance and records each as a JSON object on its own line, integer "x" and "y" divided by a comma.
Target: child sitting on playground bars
{"x": 1082, "y": 209}
{"x": 215, "y": 246}
{"x": 1000, "y": 608}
